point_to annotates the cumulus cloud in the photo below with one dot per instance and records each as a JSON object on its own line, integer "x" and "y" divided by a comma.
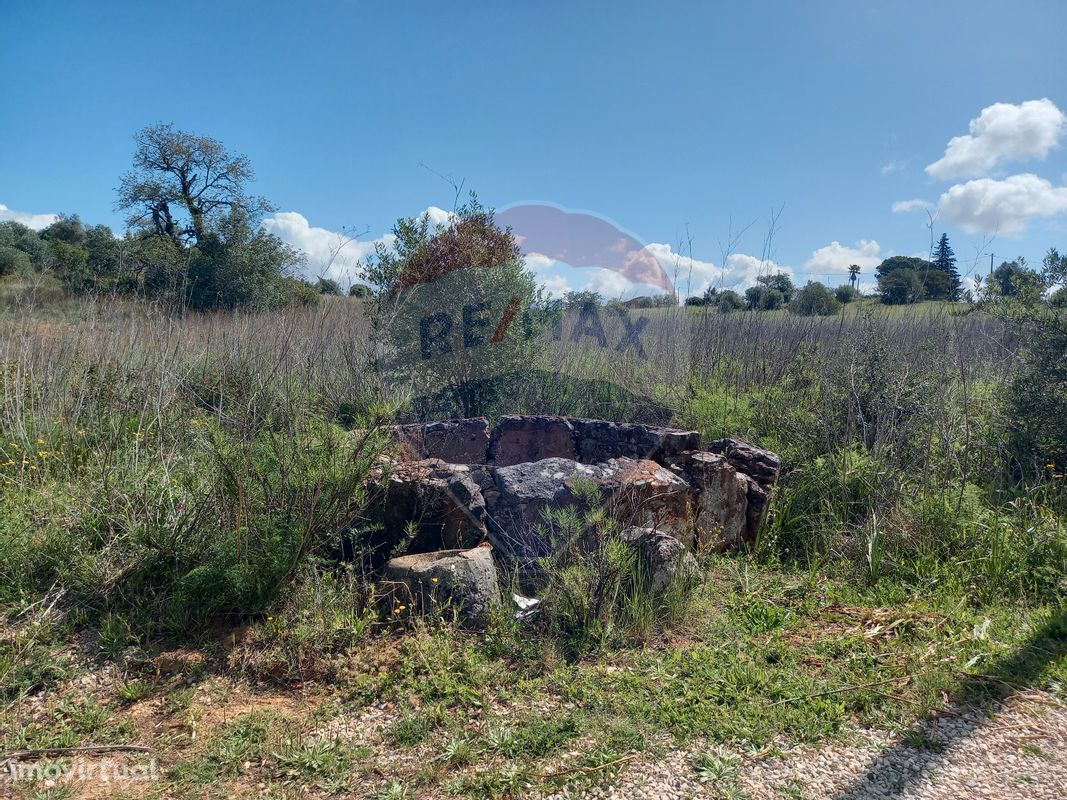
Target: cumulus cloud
{"x": 333, "y": 254}
{"x": 915, "y": 204}
{"x": 330, "y": 254}
{"x": 34, "y": 221}
{"x": 987, "y": 205}
{"x": 695, "y": 276}
{"x": 1002, "y": 133}
{"x": 837, "y": 258}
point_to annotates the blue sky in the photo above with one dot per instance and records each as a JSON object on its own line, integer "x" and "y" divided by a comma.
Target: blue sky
{"x": 675, "y": 120}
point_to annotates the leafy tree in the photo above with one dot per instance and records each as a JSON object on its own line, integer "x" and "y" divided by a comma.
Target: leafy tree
{"x": 846, "y": 293}
{"x": 68, "y": 228}
{"x": 729, "y": 300}
{"x": 573, "y": 301}
{"x": 183, "y": 184}
{"x": 900, "y": 286}
{"x": 458, "y": 306}
{"x": 695, "y": 300}
{"x": 1015, "y": 279}
{"x": 853, "y": 274}
{"x": 945, "y": 261}
{"x": 13, "y": 261}
{"x": 190, "y": 192}
{"x": 1058, "y": 298}
{"x": 159, "y": 268}
{"x": 894, "y": 263}
{"x": 328, "y": 286}
{"x": 919, "y": 279}
{"x": 360, "y": 291}
{"x": 105, "y": 253}
{"x": 814, "y": 300}
{"x": 16, "y": 235}
{"x": 240, "y": 266}
{"x": 762, "y": 298}
{"x": 938, "y": 285}
{"x": 780, "y": 282}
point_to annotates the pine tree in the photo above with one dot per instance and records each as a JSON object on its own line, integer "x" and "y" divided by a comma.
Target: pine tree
{"x": 945, "y": 260}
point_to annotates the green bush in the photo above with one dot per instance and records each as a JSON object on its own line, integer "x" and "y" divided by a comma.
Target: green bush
{"x": 815, "y": 300}
{"x": 597, "y": 590}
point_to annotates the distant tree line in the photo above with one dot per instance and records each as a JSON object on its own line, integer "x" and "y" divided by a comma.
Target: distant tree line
{"x": 900, "y": 280}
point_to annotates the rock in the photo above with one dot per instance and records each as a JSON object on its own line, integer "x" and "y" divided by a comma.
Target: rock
{"x": 721, "y": 502}
{"x": 598, "y": 440}
{"x": 639, "y": 491}
{"x": 461, "y": 580}
{"x": 528, "y": 607}
{"x": 761, "y": 465}
{"x": 457, "y": 441}
{"x": 441, "y": 500}
{"x": 458, "y": 483}
{"x": 667, "y": 561}
{"x": 519, "y": 439}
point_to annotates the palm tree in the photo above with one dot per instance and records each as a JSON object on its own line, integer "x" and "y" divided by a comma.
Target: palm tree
{"x": 853, "y": 274}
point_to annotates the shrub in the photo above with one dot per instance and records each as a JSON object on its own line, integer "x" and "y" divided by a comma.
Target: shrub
{"x": 846, "y": 293}
{"x": 814, "y": 300}
{"x": 598, "y": 592}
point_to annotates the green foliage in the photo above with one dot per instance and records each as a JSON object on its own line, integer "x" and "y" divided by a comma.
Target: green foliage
{"x": 458, "y": 306}
{"x": 762, "y": 298}
{"x": 947, "y": 285}
{"x": 814, "y": 300}
{"x": 360, "y": 291}
{"x": 13, "y": 261}
{"x": 900, "y": 286}
{"x": 1013, "y": 279}
{"x": 906, "y": 279}
{"x": 846, "y": 293}
{"x": 328, "y": 286}
{"x": 598, "y": 591}
{"x": 240, "y": 266}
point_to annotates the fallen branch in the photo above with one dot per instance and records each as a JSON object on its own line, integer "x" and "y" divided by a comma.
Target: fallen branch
{"x": 839, "y": 691}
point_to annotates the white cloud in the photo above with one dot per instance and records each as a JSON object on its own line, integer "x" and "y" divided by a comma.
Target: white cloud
{"x": 896, "y": 165}
{"x": 610, "y": 284}
{"x": 693, "y": 276}
{"x": 34, "y": 221}
{"x": 1003, "y": 132}
{"x": 1003, "y": 206}
{"x": 915, "y": 204}
{"x": 837, "y": 258}
{"x": 333, "y": 254}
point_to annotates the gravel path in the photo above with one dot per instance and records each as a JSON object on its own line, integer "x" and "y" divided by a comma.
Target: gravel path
{"x": 1019, "y": 753}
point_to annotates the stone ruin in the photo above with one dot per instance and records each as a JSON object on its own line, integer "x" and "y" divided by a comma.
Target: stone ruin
{"x": 455, "y": 486}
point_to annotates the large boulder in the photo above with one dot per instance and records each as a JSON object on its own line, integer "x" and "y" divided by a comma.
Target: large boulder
{"x": 639, "y": 491}
{"x": 520, "y": 439}
{"x": 761, "y": 465}
{"x": 460, "y": 581}
{"x": 457, "y": 441}
{"x": 667, "y": 562}
{"x": 720, "y": 502}
{"x": 598, "y": 440}
{"x": 435, "y": 501}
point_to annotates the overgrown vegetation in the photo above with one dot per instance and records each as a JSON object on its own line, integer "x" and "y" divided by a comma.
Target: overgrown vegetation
{"x": 192, "y": 480}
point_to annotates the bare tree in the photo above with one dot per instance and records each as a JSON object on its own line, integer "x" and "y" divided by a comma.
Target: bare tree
{"x": 180, "y": 182}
